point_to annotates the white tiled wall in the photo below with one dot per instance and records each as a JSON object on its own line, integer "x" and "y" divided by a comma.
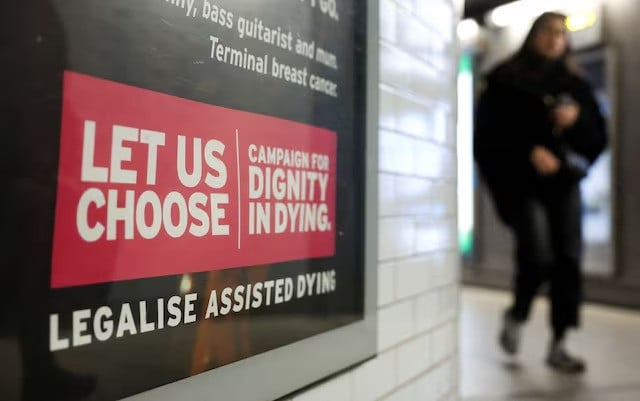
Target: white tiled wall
{"x": 418, "y": 261}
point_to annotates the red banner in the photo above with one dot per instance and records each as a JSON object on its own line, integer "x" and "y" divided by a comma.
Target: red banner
{"x": 151, "y": 184}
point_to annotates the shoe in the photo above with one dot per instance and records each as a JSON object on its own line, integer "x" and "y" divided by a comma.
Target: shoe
{"x": 561, "y": 361}
{"x": 510, "y": 334}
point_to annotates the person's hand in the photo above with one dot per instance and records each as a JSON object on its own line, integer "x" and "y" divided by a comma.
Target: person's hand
{"x": 565, "y": 115}
{"x": 545, "y": 162}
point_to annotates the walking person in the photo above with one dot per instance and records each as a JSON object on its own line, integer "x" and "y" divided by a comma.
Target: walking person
{"x": 538, "y": 131}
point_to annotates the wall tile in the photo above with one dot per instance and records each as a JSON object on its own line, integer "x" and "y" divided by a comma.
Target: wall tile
{"x": 395, "y": 324}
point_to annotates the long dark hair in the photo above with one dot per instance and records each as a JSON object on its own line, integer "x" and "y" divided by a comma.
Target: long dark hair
{"x": 528, "y": 63}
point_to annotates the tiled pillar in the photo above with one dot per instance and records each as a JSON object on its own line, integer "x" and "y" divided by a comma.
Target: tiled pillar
{"x": 417, "y": 247}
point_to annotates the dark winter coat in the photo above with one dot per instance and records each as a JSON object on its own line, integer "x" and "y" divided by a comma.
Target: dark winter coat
{"x": 514, "y": 115}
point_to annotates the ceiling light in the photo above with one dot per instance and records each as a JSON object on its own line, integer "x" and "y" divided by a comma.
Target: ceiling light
{"x": 468, "y": 30}
{"x": 581, "y": 21}
{"x": 517, "y": 11}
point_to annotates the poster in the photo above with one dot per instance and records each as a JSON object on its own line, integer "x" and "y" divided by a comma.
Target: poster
{"x": 184, "y": 188}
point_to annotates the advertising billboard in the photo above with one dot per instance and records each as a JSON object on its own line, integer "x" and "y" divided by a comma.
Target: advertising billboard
{"x": 185, "y": 193}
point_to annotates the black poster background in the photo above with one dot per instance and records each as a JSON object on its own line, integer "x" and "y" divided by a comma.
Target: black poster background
{"x": 152, "y": 44}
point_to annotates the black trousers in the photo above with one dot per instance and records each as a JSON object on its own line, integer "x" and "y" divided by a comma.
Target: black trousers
{"x": 548, "y": 233}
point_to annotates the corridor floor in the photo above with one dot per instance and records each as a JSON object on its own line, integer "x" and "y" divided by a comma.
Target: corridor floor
{"x": 609, "y": 341}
